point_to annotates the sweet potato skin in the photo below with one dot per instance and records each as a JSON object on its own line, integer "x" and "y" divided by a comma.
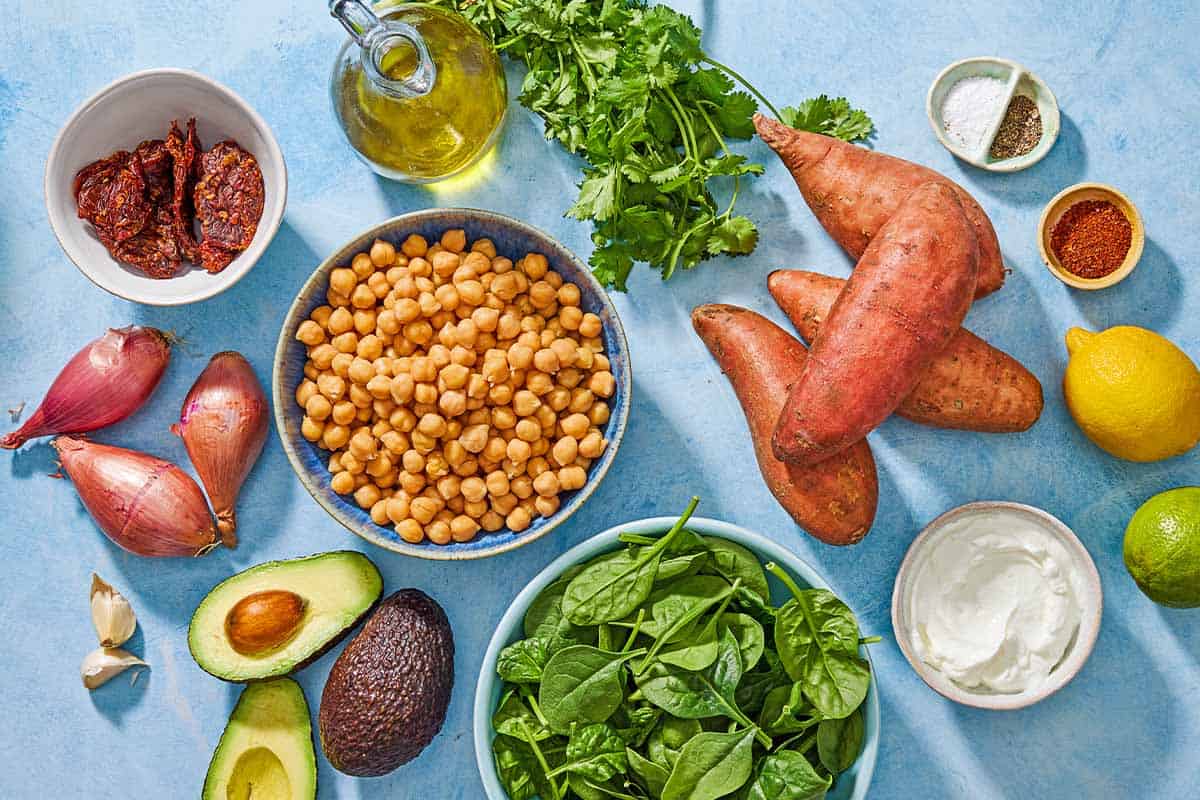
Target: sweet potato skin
{"x": 853, "y": 191}
{"x": 899, "y": 309}
{"x": 970, "y": 385}
{"x": 835, "y": 500}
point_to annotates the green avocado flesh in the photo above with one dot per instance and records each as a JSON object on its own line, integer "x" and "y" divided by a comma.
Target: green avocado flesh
{"x": 338, "y": 589}
{"x": 266, "y": 751}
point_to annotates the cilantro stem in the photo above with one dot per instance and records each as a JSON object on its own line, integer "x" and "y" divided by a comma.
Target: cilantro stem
{"x": 731, "y": 73}
{"x": 737, "y": 179}
{"x": 679, "y": 122}
{"x": 688, "y": 128}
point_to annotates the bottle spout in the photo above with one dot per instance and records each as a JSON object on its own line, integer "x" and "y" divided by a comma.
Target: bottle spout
{"x": 381, "y": 41}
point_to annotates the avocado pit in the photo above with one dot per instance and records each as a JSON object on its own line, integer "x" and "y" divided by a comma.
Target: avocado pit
{"x": 264, "y": 621}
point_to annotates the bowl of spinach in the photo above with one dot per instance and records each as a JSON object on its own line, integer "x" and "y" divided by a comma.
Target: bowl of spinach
{"x": 677, "y": 659}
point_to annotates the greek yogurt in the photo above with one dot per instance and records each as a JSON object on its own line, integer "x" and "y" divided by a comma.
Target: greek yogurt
{"x": 995, "y": 603}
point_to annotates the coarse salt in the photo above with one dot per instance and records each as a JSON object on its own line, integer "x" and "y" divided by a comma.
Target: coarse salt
{"x": 970, "y": 108}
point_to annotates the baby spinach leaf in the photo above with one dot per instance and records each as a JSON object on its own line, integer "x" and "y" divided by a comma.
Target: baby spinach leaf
{"x": 817, "y": 637}
{"x": 669, "y": 737}
{"x": 612, "y": 587}
{"x": 696, "y": 646}
{"x": 590, "y": 790}
{"x": 711, "y": 765}
{"x": 594, "y": 752}
{"x": 681, "y": 566}
{"x": 635, "y": 724}
{"x": 753, "y": 689}
{"x": 520, "y": 771}
{"x": 654, "y": 776}
{"x": 523, "y": 661}
{"x": 732, "y": 561}
{"x": 785, "y": 710}
{"x": 839, "y": 741}
{"x": 787, "y": 775}
{"x": 684, "y": 601}
{"x": 514, "y": 713}
{"x": 545, "y": 619}
{"x": 749, "y": 634}
{"x": 581, "y": 684}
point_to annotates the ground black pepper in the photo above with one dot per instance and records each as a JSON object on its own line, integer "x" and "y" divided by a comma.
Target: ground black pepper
{"x": 1020, "y": 131}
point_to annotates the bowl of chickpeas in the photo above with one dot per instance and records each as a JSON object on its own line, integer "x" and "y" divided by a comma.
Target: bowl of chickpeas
{"x": 451, "y": 384}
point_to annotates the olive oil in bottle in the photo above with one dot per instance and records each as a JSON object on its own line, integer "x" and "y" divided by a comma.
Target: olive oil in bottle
{"x": 418, "y": 91}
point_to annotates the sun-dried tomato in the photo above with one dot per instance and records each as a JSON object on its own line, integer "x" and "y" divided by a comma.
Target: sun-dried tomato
{"x": 111, "y": 194}
{"x": 156, "y": 169}
{"x": 229, "y": 196}
{"x": 154, "y": 250}
{"x": 215, "y": 258}
{"x": 183, "y": 158}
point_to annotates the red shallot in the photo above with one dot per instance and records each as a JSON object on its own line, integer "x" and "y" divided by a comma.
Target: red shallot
{"x": 223, "y": 424}
{"x": 101, "y": 385}
{"x": 146, "y": 505}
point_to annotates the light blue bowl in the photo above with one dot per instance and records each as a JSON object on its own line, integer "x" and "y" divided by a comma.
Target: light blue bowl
{"x": 850, "y": 785}
{"x": 512, "y": 238}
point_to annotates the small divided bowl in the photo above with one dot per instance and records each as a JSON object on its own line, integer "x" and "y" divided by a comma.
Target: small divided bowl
{"x": 512, "y": 238}
{"x": 141, "y": 106}
{"x": 850, "y": 785}
{"x": 1017, "y": 80}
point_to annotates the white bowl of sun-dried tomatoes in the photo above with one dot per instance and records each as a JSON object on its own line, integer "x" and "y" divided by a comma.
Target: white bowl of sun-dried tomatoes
{"x": 165, "y": 187}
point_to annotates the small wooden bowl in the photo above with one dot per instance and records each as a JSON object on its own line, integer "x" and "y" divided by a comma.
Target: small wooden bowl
{"x": 1069, "y": 197}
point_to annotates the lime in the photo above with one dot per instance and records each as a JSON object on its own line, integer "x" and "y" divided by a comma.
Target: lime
{"x": 1162, "y": 547}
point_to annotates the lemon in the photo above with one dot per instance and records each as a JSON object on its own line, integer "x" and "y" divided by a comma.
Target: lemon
{"x": 1132, "y": 392}
{"x": 1162, "y": 547}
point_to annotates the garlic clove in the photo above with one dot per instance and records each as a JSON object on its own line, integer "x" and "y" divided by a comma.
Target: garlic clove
{"x": 105, "y": 663}
{"x": 112, "y": 615}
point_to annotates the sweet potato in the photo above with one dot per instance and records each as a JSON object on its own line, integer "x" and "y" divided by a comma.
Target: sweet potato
{"x": 899, "y": 309}
{"x": 853, "y": 191}
{"x": 834, "y": 500}
{"x": 969, "y": 386}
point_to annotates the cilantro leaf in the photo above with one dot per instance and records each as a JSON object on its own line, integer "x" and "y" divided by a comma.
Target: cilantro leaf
{"x": 736, "y": 236}
{"x": 832, "y": 117}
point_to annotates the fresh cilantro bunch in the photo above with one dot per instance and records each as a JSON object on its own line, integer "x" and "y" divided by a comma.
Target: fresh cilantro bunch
{"x": 629, "y": 88}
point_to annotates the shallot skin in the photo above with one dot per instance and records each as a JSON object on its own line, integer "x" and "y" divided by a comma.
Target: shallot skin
{"x": 224, "y": 425}
{"x": 144, "y": 504}
{"x": 101, "y": 385}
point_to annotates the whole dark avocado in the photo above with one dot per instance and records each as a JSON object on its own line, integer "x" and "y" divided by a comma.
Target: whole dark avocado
{"x": 387, "y": 694}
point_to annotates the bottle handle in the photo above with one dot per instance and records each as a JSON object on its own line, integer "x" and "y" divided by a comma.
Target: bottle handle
{"x": 376, "y": 38}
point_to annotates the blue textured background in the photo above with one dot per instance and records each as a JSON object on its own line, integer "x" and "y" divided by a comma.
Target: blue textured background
{"x": 1128, "y": 726}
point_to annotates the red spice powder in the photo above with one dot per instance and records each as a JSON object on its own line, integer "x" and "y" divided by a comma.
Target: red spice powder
{"x": 1092, "y": 238}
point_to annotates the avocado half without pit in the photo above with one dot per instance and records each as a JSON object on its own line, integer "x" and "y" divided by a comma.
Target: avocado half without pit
{"x": 275, "y": 618}
{"x": 388, "y": 691}
{"x": 266, "y": 751}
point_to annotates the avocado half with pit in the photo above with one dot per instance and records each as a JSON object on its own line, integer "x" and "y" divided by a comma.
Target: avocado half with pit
{"x": 266, "y": 751}
{"x": 277, "y": 617}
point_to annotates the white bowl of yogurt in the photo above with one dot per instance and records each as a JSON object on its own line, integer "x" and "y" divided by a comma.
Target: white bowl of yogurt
{"x": 997, "y": 605}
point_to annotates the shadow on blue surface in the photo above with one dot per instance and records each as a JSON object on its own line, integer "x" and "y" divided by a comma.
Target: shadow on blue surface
{"x": 1151, "y": 297}
{"x": 1065, "y": 164}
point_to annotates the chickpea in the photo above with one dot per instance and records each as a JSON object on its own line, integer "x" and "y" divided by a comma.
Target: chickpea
{"x": 598, "y": 414}
{"x": 425, "y": 394}
{"x": 367, "y": 495}
{"x": 503, "y": 418}
{"x": 528, "y": 430}
{"x": 495, "y": 450}
{"x": 361, "y": 399}
{"x": 406, "y": 310}
{"x": 410, "y": 531}
{"x": 341, "y": 364}
{"x": 310, "y": 333}
{"x": 525, "y": 403}
{"x": 454, "y": 375}
{"x": 414, "y": 246}
{"x": 473, "y": 489}
{"x": 590, "y": 326}
{"x": 397, "y": 508}
{"x": 572, "y": 477}
{"x": 570, "y": 377}
{"x": 311, "y": 429}
{"x": 504, "y": 504}
{"x": 568, "y": 294}
{"x": 518, "y": 520}
{"x": 557, "y": 398}
{"x": 387, "y": 322}
{"x": 518, "y": 450}
{"x": 546, "y": 506}
{"x": 546, "y": 360}
{"x": 342, "y": 483}
{"x": 570, "y": 317}
{"x": 361, "y": 370}
{"x": 412, "y": 483}
{"x": 546, "y": 484}
{"x": 422, "y": 509}
{"x": 320, "y": 315}
{"x": 592, "y": 445}
{"x": 445, "y": 263}
{"x": 491, "y": 521}
{"x": 565, "y": 450}
{"x": 438, "y": 532}
{"x": 602, "y": 384}
{"x": 318, "y": 408}
{"x": 564, "y": 349}
{"x": 379, "y": 512}
{"x": 380, "y": 465}
{"x": 463, "y": 356}
{"x": 304, "y": 391}
{"x": 322, "y": 356}
{"x": 497, "y": 483}
{"x": 463, "y": 528}
{"x": 575, "y": 425}
{"x": 382, "y": 253}
{"x": 380, "y": 387}
{"x": 486, "y": 319}
{"x": 331, "y": 386}
{"x": 370, "y": 347}
{"x": 413, "y": 462}
{"x": 474, "y": 438}
{"x": 345, "y": 342}
{"x": 581, "y": 400}
{"x": 539, "y": 383}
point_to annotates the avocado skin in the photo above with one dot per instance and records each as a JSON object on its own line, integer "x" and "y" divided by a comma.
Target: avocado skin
{"x": 387, "y": 694}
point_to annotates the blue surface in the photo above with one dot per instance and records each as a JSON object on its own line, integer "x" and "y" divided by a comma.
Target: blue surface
{"x": 1128, "y": 726}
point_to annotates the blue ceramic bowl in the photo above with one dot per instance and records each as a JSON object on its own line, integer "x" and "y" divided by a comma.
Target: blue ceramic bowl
{"x": 512, "y": 238}
{"x": 850, "y": 785}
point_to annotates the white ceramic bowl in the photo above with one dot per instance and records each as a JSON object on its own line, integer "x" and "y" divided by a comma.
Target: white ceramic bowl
{"x": 141, "y": 106}
{"x": 1091, "y": 604}
{"x": 850, "y": 785}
